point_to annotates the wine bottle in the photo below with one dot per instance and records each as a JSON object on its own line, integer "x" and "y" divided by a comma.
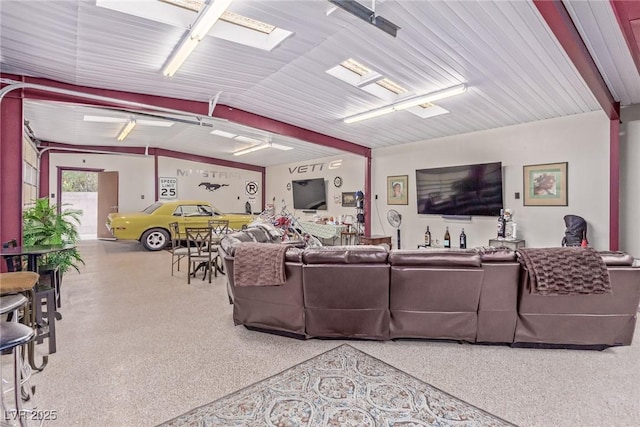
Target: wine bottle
{"x": 447, "y": 238}
{"x": 502, "y": 222}
{"x": 427, "y": 237}
{"x": 463, "y": 240}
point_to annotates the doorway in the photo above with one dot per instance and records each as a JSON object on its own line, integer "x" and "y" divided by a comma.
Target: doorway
{"x": 78, "y": 189}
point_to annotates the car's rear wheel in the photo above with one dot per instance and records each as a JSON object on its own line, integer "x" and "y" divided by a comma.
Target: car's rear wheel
{"x": 155, "y": 239}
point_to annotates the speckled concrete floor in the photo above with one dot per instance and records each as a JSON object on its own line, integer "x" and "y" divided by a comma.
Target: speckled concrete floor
{"x": 137, "y": 347}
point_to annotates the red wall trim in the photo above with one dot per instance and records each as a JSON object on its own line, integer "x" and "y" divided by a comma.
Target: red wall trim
{"x": 614, "y": 185}
{"x": 558, "y": 19}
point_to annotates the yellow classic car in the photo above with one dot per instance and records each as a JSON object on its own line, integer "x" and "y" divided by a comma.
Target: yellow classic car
{"x": 151, "y": 226}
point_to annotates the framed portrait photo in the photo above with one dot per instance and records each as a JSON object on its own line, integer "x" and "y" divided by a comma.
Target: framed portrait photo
{"x": 546, "y": 185}
{"x": 398, "y": 190}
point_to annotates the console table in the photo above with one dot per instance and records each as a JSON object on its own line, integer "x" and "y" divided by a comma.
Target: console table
{"x": 375, "y": 240}
{"x": 505, "y": 243}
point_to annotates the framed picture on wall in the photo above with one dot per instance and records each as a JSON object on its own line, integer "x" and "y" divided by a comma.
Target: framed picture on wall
{"x": 397, "y": 190}
{"x": 546, "y": 184}
{"x": 349, "y": 200}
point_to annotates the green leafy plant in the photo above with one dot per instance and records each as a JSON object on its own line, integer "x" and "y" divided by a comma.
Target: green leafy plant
{"x": 43, "y": 225}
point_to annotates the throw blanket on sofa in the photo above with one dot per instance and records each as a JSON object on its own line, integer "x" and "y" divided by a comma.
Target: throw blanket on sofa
{"x": 259, "y": 264}
{"x": 565, "y": 271}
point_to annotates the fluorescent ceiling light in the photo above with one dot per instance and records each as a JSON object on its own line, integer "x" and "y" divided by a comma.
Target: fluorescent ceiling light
{"x": 370, "y": 114}
{"x": 409, "y": 103}
{"x": 157, "y": 123}
{"x": 223, "y": 133}
{"x": 368, "y": 15}
{"x": 431, "y": 97}
{"x": 207, "y": 17}
{"x": 179, "y": 56}
{"x": 281, "y": 147}
{"x": 250, "y": 149}
{"x": 101, "y": 119}
{"x": 126, "y": 129}
{"x": 249, "y": 140}
{"x": 105, "y": 119}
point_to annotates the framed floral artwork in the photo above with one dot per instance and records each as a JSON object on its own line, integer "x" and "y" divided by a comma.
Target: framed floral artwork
{"x": 546, "y": 184}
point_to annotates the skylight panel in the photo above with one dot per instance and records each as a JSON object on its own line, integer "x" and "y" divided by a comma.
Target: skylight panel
{"x": 243, "y": 21}
{"x": 356, "y": 67}
{"x": 391, "y": 86}
{"x": 194, "y": 5}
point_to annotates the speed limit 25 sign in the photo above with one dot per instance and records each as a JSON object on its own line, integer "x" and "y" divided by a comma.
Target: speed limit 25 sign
{"x": 168, "y": 188}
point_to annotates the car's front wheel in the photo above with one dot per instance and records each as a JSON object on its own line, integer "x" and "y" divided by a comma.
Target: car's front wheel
{"x": 155, "y": 239}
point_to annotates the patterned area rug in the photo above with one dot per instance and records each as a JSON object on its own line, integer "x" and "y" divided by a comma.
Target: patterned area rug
{"x": 342, "y": 387}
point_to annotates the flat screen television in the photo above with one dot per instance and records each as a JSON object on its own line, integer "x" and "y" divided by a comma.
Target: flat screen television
{"x": 309, "y": 194}
{"x": 460, "y": 190}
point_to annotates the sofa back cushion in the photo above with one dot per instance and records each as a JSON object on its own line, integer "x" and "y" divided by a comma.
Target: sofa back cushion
{"x": 435, "y": 258}
{"x": 360, "y": 254}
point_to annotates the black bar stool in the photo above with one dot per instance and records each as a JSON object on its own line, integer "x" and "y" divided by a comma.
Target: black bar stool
{"x": 14, "y": 335}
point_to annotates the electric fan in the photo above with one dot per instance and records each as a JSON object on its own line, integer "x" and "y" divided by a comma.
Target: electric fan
{"x": 395, "y": 219}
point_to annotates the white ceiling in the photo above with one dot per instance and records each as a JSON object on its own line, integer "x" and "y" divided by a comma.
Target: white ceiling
{"x": 515, "y": 69}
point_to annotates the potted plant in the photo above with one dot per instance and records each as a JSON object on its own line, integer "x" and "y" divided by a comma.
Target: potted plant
{"x": 44, "y": 224}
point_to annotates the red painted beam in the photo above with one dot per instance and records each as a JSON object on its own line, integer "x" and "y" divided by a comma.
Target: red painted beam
{"x": 11, "y": 169}
{"x": 198, "y": 108}
{"x": 614, "y": 185}
{"x": 628, "y": 16}
{"x": 561, "y": 24}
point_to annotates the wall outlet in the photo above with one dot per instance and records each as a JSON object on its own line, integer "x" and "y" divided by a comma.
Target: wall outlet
{"x": 517, "y": 196}
{"x": 142, "y": 196}
{"x": 376, "y": 197}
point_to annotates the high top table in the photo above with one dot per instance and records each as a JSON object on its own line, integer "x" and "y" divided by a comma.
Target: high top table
{"x": 33, "y": 253}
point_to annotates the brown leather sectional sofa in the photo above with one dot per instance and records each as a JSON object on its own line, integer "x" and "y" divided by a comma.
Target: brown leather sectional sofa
{"x": 474, "y": 296}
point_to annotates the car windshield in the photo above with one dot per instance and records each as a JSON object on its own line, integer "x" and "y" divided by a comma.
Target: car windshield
{"x": 152, "y": 208}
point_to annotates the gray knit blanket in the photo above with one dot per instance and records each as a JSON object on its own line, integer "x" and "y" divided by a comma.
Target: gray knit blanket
{"x": 259, "y": 264}
{"x": 565, "y": 271}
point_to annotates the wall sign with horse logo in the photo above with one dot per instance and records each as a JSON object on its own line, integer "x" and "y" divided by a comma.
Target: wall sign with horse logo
{"x": 210, "y": 186}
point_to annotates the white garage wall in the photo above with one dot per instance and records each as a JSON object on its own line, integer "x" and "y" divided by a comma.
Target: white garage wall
{"x": 630, "y": 180}
{"x": 230, "y": 197}
{"x": 581, "y": 140}
{"x": 349, "y": 167}
{"x": 136, "y": 189}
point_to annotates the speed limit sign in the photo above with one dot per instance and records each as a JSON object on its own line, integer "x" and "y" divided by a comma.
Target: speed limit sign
{"x": 168, "y": 188}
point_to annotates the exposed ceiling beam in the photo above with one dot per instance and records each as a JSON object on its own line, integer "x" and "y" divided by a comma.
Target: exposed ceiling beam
{"x": 562, "y": 26}
{"x": 628, "y": 16}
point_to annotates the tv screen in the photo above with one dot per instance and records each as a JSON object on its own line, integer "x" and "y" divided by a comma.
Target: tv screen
{"x": 309, "y": 194}
{"x": 460, "y": 190}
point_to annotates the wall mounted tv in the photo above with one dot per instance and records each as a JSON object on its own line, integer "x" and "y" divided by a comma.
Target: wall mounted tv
{"x": 309, "y": 194}
{"x": 460, "y": 190}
